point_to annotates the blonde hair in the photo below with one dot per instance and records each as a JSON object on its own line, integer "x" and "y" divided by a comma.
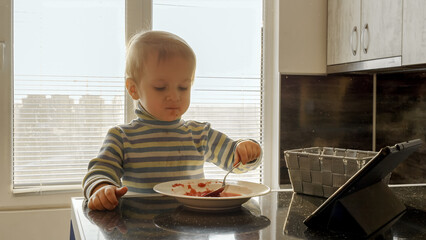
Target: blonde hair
{"x": 165, "y": 44}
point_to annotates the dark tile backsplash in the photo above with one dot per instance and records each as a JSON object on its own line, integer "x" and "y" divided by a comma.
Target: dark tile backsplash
{"x": 337, "y": 111}
{"x": 401, "y": 115}
{"x": 319, "y": 111}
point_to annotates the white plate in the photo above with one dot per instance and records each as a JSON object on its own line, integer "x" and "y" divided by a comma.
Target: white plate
{"x": 178, "y": 189}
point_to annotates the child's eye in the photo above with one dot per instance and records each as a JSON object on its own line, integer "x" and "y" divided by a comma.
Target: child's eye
{"x": 183, "y": 88}
{"x": 159, "y": 88}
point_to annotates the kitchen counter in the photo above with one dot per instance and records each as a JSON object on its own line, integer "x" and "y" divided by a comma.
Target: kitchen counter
{"x": 277, "y": 215}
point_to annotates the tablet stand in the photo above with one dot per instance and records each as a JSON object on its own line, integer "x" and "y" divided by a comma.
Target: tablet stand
{"x": 365, "y": 211}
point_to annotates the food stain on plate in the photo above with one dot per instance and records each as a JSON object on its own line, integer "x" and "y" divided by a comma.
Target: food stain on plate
{"x": 201, "y": 189}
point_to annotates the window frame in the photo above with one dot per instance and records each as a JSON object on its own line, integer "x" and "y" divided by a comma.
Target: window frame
{"x": 134, "y": 8}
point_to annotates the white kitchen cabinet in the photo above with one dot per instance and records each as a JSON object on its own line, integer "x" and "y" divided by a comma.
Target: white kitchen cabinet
{"x": 344, "y": 18}
{"x": 302, "y": 37}
{"x": 414, "y": 32}
{"x": 381, "y": 27}
{"x": 360, "y": 30}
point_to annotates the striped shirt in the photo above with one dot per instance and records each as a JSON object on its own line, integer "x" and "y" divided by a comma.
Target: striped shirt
{"x": 148, "y": 151}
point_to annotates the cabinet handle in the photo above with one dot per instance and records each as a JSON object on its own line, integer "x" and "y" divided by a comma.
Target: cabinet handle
{"x": 354, "y": 32}
{"x": 2, "y": 53}
{"x": 365, "y": 38}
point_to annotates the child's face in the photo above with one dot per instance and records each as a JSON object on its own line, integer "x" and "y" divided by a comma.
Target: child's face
{"x": 165, "y": 87}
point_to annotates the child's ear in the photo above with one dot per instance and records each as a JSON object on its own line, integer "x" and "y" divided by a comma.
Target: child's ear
{"x": 132, "y": 88}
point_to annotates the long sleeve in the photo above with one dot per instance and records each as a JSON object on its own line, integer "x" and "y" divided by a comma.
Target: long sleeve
{"x": 220, "y": 150}
{"x": 147, "y": 151}
{"x": 108, "y": 165}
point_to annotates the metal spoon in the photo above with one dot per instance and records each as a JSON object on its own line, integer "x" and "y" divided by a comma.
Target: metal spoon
{"x": 216, "y": 193}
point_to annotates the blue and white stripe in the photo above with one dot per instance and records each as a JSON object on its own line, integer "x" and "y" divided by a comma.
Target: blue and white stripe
{"x": 148, "y": 151}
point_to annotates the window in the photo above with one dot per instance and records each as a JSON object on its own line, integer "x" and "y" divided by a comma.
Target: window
{"x": 227, "y": 90}
{"x": 68, "y": 87}
{"x": 68, "y": 84}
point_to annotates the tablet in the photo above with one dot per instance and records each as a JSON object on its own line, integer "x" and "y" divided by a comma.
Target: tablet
{"x": 370, "y": 174}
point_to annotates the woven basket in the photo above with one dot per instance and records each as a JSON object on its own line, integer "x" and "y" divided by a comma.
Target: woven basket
{"x": 320, "y": 171}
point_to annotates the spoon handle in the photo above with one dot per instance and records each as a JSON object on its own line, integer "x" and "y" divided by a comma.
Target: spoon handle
{"x": 232, "y": 169}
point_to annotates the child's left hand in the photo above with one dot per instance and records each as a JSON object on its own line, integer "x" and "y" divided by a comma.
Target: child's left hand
{"x": 246, "y": 151}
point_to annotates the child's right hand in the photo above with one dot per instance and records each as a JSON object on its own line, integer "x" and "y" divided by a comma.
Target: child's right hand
{"x": 105, "y": 197}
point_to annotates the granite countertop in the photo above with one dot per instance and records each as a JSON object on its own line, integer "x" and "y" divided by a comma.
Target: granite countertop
{"x": 277, "y": 215}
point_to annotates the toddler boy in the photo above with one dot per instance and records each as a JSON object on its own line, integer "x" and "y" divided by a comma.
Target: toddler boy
{"x": 158, "y": 145}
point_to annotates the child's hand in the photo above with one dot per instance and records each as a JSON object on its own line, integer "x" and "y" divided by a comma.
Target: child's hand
{"x": 105, "y": 197}
{"x": 247, "y": 151}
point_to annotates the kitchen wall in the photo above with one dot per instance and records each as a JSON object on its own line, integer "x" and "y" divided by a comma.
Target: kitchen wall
{"x": 338, "y": 111}
{"x": 35, "y": 224}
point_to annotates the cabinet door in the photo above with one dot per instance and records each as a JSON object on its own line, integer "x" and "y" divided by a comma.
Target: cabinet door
{"x": 343, "y": 31}
{"x": 414, "y": 33}
{"x": 381, "y": 29}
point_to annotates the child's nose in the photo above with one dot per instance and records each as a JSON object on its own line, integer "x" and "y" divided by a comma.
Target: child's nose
{"x": 172, "y": 96}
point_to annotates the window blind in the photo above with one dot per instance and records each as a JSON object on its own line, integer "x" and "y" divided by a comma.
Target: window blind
{"x": 68, "y": 88}
{"x": 238, "y": 114}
